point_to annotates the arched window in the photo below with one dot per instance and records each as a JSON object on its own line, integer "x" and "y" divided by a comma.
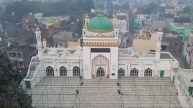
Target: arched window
{"x": 76, "y": 71}
{"x": 63, "y": 71}
{"x": 121, "y": 73}
{"x": 148, "y": 72}
{"x": 134, "y": 72}
{"x": 49, "y": 71}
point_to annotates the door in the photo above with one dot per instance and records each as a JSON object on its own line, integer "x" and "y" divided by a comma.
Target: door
{"x": 100, "y": 72}
{"x": 121, "y": 73}
{"x": 162, "y": 73}
{"x": 173, "y": 79}
{"x": 28, "y": 84}
{"x": 190, "y": 90}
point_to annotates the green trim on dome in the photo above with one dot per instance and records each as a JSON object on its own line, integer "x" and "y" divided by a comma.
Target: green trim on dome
{"x": 100, "y": 24}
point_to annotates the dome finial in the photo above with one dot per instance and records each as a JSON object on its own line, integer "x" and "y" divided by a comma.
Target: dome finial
{"x": 160, "y": 29}
{"x": 86, "y": 16}
{"x": 37, "y": 29}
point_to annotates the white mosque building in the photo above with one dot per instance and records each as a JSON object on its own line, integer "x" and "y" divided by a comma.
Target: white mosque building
{"x": 100, "y": 55}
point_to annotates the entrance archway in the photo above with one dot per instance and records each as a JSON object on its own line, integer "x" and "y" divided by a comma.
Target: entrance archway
{"x": 100, "y": 72}
{"x": 100, "y": 66}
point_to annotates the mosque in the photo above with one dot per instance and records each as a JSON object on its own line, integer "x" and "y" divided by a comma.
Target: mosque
{"x": 100, "y": 55}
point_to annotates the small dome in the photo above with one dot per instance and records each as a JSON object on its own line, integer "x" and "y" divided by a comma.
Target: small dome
{"x": 100, "y": 24}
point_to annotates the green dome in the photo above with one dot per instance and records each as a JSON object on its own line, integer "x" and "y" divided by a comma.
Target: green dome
{"x": 100, "y": 24}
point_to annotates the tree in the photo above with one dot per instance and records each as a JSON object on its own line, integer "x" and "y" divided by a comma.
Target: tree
{"x": 151, "y": 8}
{"x": 11, "y": 94}
{"x": 85, "y": 5}
{"x": 187, "y": 10}
{"x": 182, "y": 20}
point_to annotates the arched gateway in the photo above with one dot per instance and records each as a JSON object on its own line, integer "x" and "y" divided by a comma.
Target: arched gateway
{"x": 100, "y": 66}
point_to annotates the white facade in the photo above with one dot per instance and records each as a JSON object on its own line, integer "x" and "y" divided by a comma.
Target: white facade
{"x": 99, "y": 57}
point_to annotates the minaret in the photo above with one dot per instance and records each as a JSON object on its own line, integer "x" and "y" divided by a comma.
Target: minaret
{"x": 158, "y": 45}
{"x": 86, "y": 20}
{"x": 116, "y": 30}
{"x": 44, "y": 43}
{"x": 39, "y": 42}
{"x": 115, "y": 20}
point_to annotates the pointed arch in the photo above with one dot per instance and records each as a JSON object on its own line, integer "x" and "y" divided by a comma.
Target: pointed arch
{"x": 148, "y": 72}
{"x": 76, "y": 71}
{"x": 63, "y": 71}
{"x": 49, "y": 71}
{"x": 134, "y": 72}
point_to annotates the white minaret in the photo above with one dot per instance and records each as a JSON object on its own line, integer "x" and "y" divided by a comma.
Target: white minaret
{"x": 86, "y": 20}
{"x": 44, "y": 43}
{"x": 116, "y": 30}
{"x": 115, "y": 20}
{"x": 39, "y": 42}
{"x": 84, "y": 31}
{"x": 158, "y": 45}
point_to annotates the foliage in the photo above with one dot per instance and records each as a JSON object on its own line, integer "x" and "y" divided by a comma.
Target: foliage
{"x": 150, "y": 8}
{"x": 21, "y": 8}
{"x": 182, "y": 20}
{"x": 11, "y": 94}
{"x": 186, "y": 10}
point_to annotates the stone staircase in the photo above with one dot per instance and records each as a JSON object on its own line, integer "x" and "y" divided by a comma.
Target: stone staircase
{"x": 148, "y": 93}
{"x": 60, "y": 92}
{"x": 54, "y": 92}
{"x": 99, "y": 93}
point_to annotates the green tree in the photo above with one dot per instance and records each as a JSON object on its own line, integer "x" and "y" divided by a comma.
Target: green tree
{"x": 11, "y": 94}
{"x": 22, "y": 8}
{"x": 187, "y": 10}
{"x": 85, "y": 5}
{"x": 150, "y": 8}
{"x": 182, "y": 20}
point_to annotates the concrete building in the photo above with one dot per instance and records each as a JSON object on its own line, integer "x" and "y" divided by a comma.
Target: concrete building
{"x": 100, "y": 74}
{"x": 183, "y": 30}
{"x": 20, "y": 55}
{"x": 100, "y": 55}
{"x": 188, "y": 51}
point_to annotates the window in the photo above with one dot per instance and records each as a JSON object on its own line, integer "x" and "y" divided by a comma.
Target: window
{"x": 14, "y": 54}
{"x": 10, "y": 54}
{"x": 121, "y": 73}
{"x": 49, "y": 71}
{"x": 176, "y": 44}
{"x": 21, "y": 63}
{"x": 148, "y": 72}
{"x": 63, "y": 71}
{"x": 19, "y": 55}
{"x": 134, "y": 72}
{"x": 76, "y": 71}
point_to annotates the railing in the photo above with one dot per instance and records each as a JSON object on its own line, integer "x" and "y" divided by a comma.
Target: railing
{"x": 31, "y": 64}
{"x": 76, "y": 103}
{"x": 183, "y": 87}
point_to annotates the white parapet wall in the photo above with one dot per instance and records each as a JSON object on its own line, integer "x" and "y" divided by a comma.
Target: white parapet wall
{"x": 182, "y": 84}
